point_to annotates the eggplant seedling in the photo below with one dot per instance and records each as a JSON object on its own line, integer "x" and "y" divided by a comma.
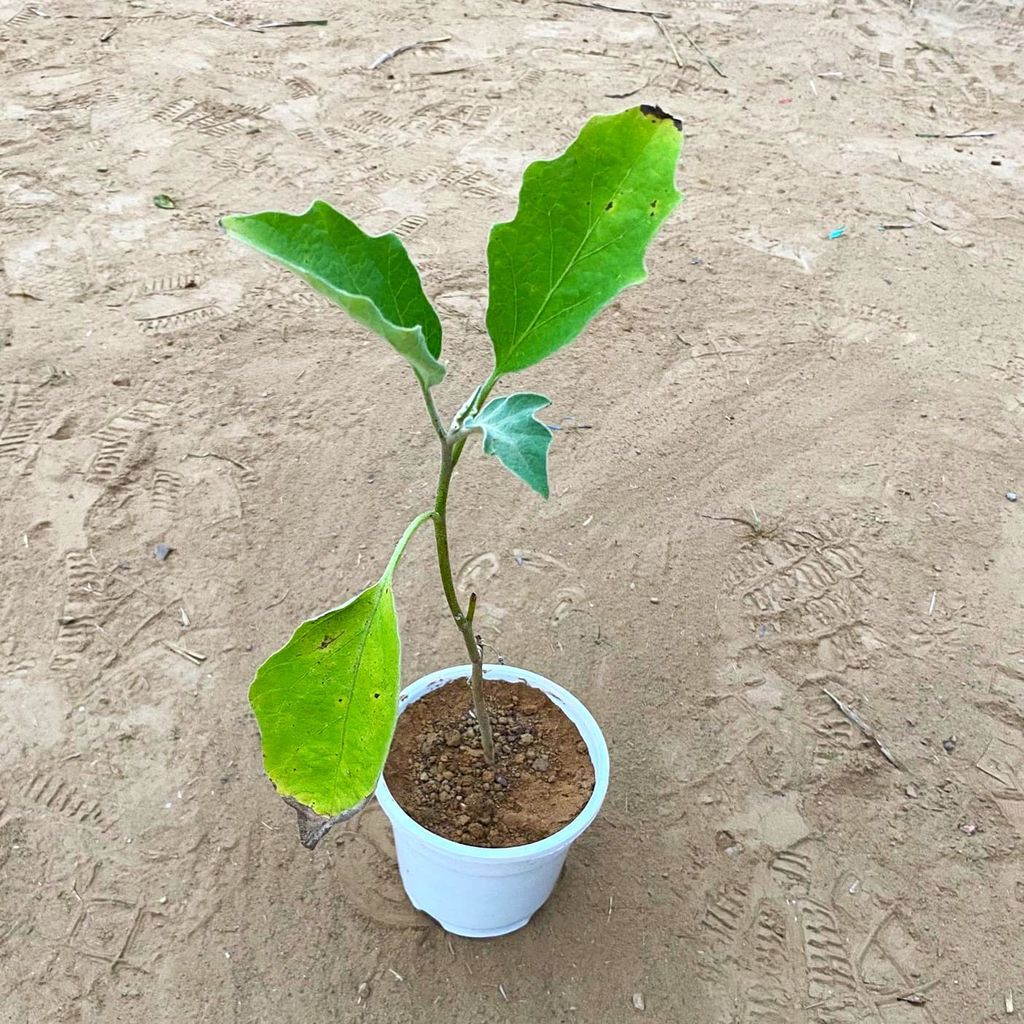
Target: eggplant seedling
{"x": 327, "y": 702}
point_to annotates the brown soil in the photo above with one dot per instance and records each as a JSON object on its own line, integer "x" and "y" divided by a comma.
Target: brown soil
{"x": 541, "y": 779}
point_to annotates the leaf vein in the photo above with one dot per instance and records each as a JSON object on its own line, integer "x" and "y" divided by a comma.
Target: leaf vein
{"x": 517, "y": 342}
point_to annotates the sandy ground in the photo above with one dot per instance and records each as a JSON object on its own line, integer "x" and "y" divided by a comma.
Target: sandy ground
{"x": 759, "y": 860}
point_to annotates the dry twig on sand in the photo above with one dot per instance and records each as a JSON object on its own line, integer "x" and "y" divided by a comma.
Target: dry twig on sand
{"x": 392, "y": 54}
{"x": 868, "y": 731}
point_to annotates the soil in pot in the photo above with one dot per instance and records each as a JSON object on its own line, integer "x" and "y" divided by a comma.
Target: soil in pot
{"x": 436, "y": 771}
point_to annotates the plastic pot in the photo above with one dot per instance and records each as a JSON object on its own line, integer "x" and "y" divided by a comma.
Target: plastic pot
{"x": 475, "y": 891}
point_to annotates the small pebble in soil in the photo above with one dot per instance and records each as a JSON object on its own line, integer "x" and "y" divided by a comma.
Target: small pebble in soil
{"x": 452, "y": 738}
{"x": 541, "y": 764}
{"x": 480, "y": 807}
{"x": 1011, "y": 495}
{"x": 526, "y": 739}
{"x": 638, "y": 1001}
{"x": 949, "y": 745}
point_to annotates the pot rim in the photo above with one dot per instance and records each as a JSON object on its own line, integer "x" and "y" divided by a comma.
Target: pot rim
{"x": 571, "y": 707}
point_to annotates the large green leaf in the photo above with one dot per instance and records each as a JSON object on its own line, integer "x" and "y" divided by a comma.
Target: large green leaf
{"x": 579, "y": 236}
{"x": 369, "y": 276}
{"x": 518, "y": 440}
{"x": 327, "y": 704}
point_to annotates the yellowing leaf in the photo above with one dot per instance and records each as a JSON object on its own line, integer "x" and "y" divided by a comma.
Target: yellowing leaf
{"x": 327, "y": 702}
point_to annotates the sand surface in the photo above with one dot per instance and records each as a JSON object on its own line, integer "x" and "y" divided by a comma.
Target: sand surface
{"x": 759, "y": 860}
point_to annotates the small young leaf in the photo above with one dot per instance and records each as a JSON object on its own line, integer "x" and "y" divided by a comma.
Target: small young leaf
{"x": 579, "y": 236}
{"x": 369, "y": 276}
{"x": 513, "y": 434}
{"x": 327, "y": 703}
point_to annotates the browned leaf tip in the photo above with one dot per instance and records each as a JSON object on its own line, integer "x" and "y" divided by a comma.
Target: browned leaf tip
{"x": 312, "y": 826}
{"x": 655, "y": 113}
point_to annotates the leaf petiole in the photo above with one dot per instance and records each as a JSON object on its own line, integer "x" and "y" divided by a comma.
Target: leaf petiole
{"x": 485, "y": 391}
{"x": 396, "y": 556}
{"x": 468, "y": 408}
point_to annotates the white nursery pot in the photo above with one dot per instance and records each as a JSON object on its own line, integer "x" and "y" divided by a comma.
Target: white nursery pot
{"x": 476, "y": 891}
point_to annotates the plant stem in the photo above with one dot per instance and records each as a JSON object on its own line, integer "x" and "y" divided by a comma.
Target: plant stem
{"x": 435, "y": 418}
{"x": 452, "y": 445}
{"x": 463, "y": 621}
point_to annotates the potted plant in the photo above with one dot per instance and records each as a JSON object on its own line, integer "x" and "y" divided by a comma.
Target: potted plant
{"x": 486, "y": 785}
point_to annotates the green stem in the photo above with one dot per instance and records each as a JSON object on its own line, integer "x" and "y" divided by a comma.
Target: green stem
{"x": 488, "y": 387}
{"x": 452, "y": 444}
{"x": 444, "y": 561}
{"x": 435, "y": 418}
{"x": 396, "y": 555}
{"x": 463, "y": 621}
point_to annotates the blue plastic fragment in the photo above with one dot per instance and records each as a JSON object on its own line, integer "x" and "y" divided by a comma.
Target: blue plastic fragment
{"x": 838, "y": 233}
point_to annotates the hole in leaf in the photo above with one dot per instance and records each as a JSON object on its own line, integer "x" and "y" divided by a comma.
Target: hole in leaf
{"x": 376, "y": 696}
{"x": 610, "y": 205}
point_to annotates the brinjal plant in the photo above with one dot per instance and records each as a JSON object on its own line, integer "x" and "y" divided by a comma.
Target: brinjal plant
{"x": 327, "y": 702}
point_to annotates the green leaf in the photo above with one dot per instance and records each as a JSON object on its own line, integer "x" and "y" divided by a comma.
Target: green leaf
{"x": 579, "y": 236}
{"x": 370, "y": 276}
{"x": 327, "y": 704}
{"x": 165, "y": 202}
{"x": 514, "y": 435}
